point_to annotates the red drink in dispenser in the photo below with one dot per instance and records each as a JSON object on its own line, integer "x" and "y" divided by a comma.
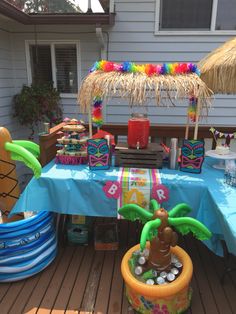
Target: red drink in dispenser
{"x": 138, "y": 131}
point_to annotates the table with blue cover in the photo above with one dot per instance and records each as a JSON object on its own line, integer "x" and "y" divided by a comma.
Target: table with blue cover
{"x": 75, "y": 189}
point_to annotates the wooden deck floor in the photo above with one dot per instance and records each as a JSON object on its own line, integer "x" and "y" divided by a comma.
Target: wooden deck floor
{"x": 82, "y": 280}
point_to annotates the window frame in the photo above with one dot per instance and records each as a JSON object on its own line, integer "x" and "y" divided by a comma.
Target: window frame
{"x": 52, "y": 44}
{"x": 211, "y": 31}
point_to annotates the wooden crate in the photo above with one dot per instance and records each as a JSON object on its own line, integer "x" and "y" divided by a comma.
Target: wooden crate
{"x": 150, "y": 157}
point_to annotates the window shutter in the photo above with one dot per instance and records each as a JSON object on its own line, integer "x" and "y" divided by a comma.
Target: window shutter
{"x": 226, "y": 15}
{"x": 66, "y": 68}
{"x": 185, "y": 14}
{"x": 41, "y": 64}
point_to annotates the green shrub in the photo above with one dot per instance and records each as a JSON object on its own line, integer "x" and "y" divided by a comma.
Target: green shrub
{"x": 37, "y": 103}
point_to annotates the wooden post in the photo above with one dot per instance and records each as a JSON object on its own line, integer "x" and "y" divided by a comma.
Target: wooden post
{"x": 197, "y": 118}
{"x": 90, "y": 122}
{"x": 187, "y": 128}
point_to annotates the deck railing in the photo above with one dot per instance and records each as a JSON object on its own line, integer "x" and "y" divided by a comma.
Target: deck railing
{"x": 158, "y": 133}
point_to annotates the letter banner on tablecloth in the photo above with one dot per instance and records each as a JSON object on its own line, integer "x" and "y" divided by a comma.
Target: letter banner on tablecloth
{"x": 137, "y": 186}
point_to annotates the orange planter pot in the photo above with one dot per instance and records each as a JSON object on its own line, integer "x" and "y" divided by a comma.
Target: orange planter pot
{"x": 171, "y": 298}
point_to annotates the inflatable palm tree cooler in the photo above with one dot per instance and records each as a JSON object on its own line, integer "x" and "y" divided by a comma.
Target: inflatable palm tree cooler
{"x": 157, "y": 273}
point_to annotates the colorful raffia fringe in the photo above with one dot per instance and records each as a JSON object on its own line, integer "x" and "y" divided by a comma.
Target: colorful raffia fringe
{"x": 148, "y": 69}
{"x": 71, "y": 160}
{"x": 192, "y": 109}
{"x": 97, "y": 111}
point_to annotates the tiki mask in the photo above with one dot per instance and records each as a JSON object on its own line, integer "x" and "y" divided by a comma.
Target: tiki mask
{"x": 98, "y": 154}
{"x": 192, "y": 156}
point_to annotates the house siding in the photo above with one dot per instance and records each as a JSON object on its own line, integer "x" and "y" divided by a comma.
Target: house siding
{"x": 8, "y": 72}
{"x": 132, "y": 38}
{"x": 89, "y": 51}
{"x": 6, "y": 79}
{"x": 13, "y": 71}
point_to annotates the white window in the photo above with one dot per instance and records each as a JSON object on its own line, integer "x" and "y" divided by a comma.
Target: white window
{"x": 195, "y": 15}
{"x": 226, "y": 13}
{"x": 56, "y": 62}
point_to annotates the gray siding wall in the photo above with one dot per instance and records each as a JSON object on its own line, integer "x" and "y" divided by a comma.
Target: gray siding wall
{"x": 6, "y": 79}
{"x": 12, "y": 76}
{"x": 13, "y": 71}
{"x": 89, "y": 52}
{"x": 133, "y": 39}
{"x": 8, "y": 89}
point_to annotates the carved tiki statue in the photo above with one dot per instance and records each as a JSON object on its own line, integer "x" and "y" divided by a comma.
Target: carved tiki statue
{"x": 98, "y": 154}
{"x": 192, "y": 156}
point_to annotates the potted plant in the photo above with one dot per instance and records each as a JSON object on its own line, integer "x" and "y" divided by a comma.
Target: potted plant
{"x": 154, "y": 260}
{"x": 37, "y": 103}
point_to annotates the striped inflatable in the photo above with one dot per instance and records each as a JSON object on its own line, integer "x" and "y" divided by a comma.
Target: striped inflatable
{"x": 27, "y": 246}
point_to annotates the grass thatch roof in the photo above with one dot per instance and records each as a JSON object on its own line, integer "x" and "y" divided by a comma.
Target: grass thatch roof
{"x": 138, "y": 87}
{"x": 218, "y": 69}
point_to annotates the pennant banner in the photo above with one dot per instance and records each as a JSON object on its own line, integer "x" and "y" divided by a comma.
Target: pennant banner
{"x": 216, "y": 133}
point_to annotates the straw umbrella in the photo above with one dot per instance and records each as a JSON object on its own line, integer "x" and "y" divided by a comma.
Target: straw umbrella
{"x": 218, "y": 69}
{"x": 138, "y": 83}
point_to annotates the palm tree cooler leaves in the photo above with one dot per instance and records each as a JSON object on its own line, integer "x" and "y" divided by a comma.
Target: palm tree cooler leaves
{"x": 158, "y": 230}
{"x": 134, "y": 212}
{"x": 187, "y": 224}
{"x": 179, "y": 210}
{"x": 150, "y": 231}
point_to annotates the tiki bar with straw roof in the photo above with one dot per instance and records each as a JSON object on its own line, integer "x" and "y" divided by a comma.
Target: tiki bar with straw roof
{"x": 137, "y": 83}
{"x": 218, "y": 69}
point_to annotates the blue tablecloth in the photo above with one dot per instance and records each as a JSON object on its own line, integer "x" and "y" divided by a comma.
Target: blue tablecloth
{"x": 77, "y": 190}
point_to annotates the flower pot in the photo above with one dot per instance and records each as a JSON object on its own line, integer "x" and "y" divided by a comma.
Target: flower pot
{"x": 171, "y": 298}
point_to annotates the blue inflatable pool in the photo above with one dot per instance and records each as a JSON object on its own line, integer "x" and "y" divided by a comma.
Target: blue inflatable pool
{"x": 27, "y": 246}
